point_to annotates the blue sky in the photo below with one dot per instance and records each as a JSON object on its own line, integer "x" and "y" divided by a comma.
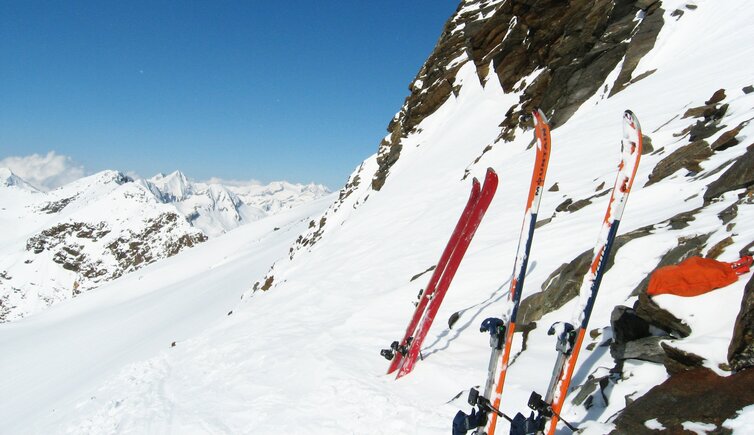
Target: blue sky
{"x": 299, "y": 90}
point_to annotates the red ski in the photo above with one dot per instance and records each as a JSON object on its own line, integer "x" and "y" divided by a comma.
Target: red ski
{"x": 399, "y": 349}
{"x": 475, "y": 218}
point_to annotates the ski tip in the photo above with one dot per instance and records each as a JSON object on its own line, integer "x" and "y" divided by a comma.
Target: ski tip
{"x": 490, "y": 177}
{"x": 631, "y": 118}
{"x": 539, "y": 116}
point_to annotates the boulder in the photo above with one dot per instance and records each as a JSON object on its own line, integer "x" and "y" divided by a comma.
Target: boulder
{"x": 741, "y": 349}
{"x": 695, "y": 395}
{"x": 647, "y": 309}
{"x": 644, "y": 349}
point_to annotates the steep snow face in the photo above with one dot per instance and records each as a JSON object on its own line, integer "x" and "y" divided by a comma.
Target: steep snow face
{"x": 303, "y": 357}
{"x": 174, "y": 187}
{"x": 9, "y": 179}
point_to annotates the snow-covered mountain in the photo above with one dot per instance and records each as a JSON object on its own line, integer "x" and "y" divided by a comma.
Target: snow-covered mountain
{"x": 300, "y": 352}
{"x": 61, "y": 243}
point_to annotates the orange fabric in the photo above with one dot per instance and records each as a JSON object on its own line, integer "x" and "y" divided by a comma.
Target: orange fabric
{"x": 691, "y": 277}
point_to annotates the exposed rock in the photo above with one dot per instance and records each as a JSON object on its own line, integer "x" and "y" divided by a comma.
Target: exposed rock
{"x": 681, "y": 220}
{"x": 578, "y": 42}
{"x": 719, "y": 247}
{"x": 648, "y": 310}
{"x": 728, "y": 214}
{"x": 739, "y": 175}
{"x": 56, "y": 206}
{"x": 351, "y": 186}
{"x": 388, "y": 154}
{"x": 717, "y": 97}
{"x": 677, "y": 360}
{"x": 690, "y": 156}
{"x": 418, "y": 275}
{"x": 554, "y": 188}
{"x": 644, "y": 349}
{"x": 748, "y": 89}
{"x": 646, "y": 145}
{"x": 632, "y": 338}
{"x": 59, "y": 234}
{"x": 728, "y": 139}
{"x": 134, "y": 250}
{"x": 589, "y": 391}
{"x": 695, "y": 395}
{"x": 559, "y": 288}
{"x": 686, "y": 157}
{"x": 741, "y": 349}
{"x": 267, "y": 283}
{"x": 641, "y": 42}
{"x": 708, "y": 126}
{"x": 627, "y": 325}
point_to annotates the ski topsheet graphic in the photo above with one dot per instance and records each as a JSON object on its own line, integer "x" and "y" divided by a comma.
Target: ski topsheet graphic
{"x": 570, "y": 336}
{"x": 500, "y": 355}
{"x": 412, "y": 342}
{"x": 501, "y": 330}
{"x": 398, "y": 349}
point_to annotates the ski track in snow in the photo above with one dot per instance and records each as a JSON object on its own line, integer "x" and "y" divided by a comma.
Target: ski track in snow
{"x": 304, "y": 356}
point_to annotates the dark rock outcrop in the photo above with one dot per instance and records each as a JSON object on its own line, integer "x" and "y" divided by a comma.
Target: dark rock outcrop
{"x": 741, "y": 349}
{"x": 56, "y": 206}
{"x": 678, "y": 361}
{"x": 709, "y": 117}
{"x": 644, "y": 349}
{"x": 648, "y": 310}
{"x": 134, "y": 250}
{"x": 578, "y": 43}
{"x": 54, "y": 236}
{"x": 739, "y": 175}
{"x": 695, "y": 395}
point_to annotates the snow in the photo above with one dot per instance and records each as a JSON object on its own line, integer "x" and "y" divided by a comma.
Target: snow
{"x": 742, "y": 423}
{"x": 74, "y": 345}
{"x": 698, "y": 428}
{"x": 654, "y": 424}
{"x": 303, "y": 357}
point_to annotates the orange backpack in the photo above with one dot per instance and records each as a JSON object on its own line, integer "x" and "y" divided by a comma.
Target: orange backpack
{"x": 696, "y": 276}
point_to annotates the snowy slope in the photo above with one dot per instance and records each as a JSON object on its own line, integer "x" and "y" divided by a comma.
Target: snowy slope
{"x": 303, "y": 357}
{"x": 72, "y": 347}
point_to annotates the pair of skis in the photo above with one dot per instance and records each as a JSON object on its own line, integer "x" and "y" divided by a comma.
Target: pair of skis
{"x": 569, "y": 337}
{"x": 404, "y": 354}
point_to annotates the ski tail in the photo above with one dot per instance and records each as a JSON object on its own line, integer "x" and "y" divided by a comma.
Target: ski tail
{"x": 480, "y": 208}
{"x": 499, "y": 358}
{"x": 398, "y": 348}
{"x": 631, "y": 148}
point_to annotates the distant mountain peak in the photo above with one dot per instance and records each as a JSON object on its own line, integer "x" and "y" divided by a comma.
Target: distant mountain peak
{"x": 9, "y": 179}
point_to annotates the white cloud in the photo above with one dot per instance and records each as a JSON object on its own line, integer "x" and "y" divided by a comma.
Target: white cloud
{"x": 45, "y": 172}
